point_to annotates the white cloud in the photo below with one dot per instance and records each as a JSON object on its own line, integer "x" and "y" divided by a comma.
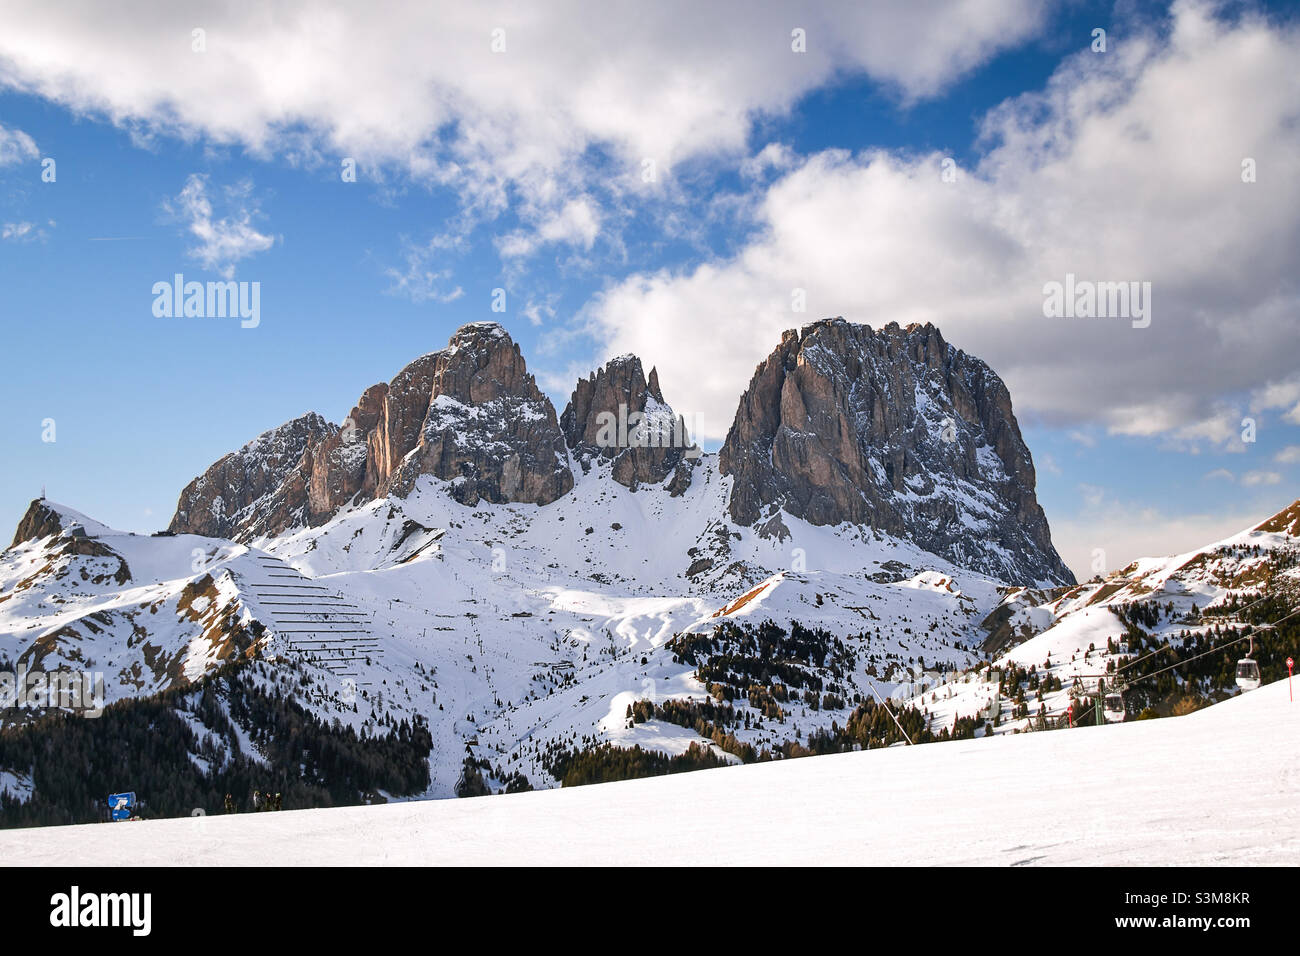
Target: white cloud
{"x": 537, "y": 312}
{"x": 576, "y": 223}
{"x": 24, "y": 231}
{"x": 773, "y": 156}
{"x": 224, "y": 240}
{"x": 420, "y": 281}
{"x": 1289, "y": 455}
{"x": 1220, "y": 474}
{"x": 1092, "y": 495}
{"x": 15, "y": 146}
{"x": 415, "y": 86}
{"x": 1167, "y": 416}
{"x": 1125, "y": 168}
{"x": 1125, "y": 532}
{"x": 1284, "y": 394}
{"x": 1253, "y": 479}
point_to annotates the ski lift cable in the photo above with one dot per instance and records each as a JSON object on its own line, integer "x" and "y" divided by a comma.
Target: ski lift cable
{"x": 1259, "y": 600}
{"x": 1278, "y": 621}
{"x": 891, "y": 714}
{"x": 1167, "y": 646}
{"x": 1146, "y": 657}
{"x": 1212, "y": 650}
{"x": 1219, "y": 647}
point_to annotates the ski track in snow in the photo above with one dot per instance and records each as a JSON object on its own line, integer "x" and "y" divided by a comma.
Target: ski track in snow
{"x": 1220, "y": 786}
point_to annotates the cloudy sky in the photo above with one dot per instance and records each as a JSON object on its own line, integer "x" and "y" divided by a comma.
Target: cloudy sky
{"x": 670, "y": 179}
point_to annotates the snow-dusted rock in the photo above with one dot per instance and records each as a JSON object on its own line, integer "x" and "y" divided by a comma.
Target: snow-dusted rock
{"x": 618, "y": 414}
{"x": 898, "y": 430}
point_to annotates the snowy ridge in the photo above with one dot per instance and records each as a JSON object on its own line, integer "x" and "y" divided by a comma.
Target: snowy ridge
{"x": 515, "y": 632}
{"x": 1080, "y": 636}
{"x": 522, "y": 623}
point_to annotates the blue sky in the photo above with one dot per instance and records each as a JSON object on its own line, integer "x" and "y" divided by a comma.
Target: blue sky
{"x": 774, "y": 170}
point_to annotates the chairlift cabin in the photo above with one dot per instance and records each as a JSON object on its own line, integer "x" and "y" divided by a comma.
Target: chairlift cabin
{"x": 1248, "y": 674}
{"x": 1248, "y": 677}
{"x": 1113, "y": 707}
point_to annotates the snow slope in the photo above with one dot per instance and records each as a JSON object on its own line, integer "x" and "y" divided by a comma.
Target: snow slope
{"x": 1080, "y": 635}
{"x": 506, "y": 627}
{"x": 1221, "y": 786}
{"x": 514, "y": 629}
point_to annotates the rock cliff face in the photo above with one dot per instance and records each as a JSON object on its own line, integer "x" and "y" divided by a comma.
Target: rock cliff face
{"x": 488, "y": 430}
{"x": 39, "y": 521}
{"x": 339, "y": 464}
{"x": 404, "y": 406}
{"x": 619, "y": 415}
{"x": 894, "y": 429}
{"x": 470, "y": 414}
{"x": 231, "y": 493}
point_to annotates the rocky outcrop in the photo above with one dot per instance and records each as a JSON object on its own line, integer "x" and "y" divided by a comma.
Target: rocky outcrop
{"x": 405, "y": 407}
{"x": 227, "y": 496}
{"x": 893, "y": 429}
{"x": 488, "y": 429}
{"x": 897, "y": 430}
{"x": 619, "y": 415}
{"x": 338, "y": 465}
{"x": 40, "y": 521}
{"x": 70, "y": 536}
{"x": 470, "y": 414}
{"x": 1286, "y": 521}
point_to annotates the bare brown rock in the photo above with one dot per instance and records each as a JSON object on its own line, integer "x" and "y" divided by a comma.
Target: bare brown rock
{"x": 470, "y": 414}
{"x": 619, "y": 415}
{"x": 339, "y": 464}
{"x": 226, "y": 497}
{"x": 894, "y": 429}
{"x": 40, "y": 521}
{"x": 397, "y": 430}
{"x": 488, "y": 429}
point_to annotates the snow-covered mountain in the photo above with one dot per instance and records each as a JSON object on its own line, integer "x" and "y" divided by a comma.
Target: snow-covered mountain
{"x": 525, "y": 591}
{"x": 1165, "y": 632}
{"x": 493, "y": 623}
{"x": 893, "y": 430}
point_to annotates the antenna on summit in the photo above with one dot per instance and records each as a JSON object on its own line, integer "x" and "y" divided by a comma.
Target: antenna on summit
{"x": 42, "y": 492}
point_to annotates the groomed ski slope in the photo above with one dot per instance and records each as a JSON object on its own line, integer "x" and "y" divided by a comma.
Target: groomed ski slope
{"x": 1216, "y": 787}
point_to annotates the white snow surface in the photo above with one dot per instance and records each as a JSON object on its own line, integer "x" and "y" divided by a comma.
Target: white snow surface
{"x": 1220, "y": 786}
{"x": 514, "y": 628}
{"x": 509, "y": 627}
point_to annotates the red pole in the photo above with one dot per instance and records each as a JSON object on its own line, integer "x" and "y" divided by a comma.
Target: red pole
{"x": 1070, "y": 713}
{"x": 1289, "y": 664}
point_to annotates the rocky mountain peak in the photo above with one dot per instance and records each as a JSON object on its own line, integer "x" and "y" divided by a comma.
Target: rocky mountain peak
{"x": 618, "y": 414}
{"x": 487, "y": 427}
{"x": 892, "y": 428}
{"x": 227, "y": 496}
{"x": 40, "y": 520}
{"x": 895, "y": 429}
{"x": 470, "y": 414}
